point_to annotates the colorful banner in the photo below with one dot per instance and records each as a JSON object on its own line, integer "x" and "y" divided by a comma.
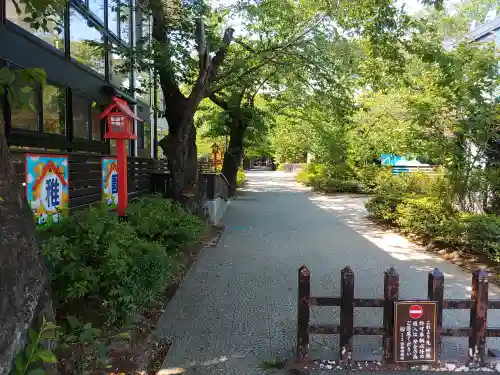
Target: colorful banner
{"x": 47, "y": 187}
{"x": 110, "y": 181}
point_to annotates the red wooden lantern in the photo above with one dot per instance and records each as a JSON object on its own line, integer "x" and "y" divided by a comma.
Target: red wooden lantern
{"x": 120, "y": 127}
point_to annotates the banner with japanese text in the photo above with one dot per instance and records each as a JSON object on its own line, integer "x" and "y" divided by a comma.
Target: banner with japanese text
{"x": 110, "y": 181}
{"x": 47, "y": 187}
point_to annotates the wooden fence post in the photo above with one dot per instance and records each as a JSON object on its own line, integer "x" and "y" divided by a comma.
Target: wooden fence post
{"x": 435, "y": 292}
{"x": 303, "y": 313}
{"x": 478, "y": 314}
{"x": 346, "y": 315}
{"x": 391, "y": 295}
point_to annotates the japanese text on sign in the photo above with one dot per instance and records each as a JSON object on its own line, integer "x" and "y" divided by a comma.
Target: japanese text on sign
{"x": 415, "y": 332}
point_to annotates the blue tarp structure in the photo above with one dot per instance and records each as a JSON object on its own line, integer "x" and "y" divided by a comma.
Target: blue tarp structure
{"x": 390, "y": 159}
{"x": 399, "y": 164}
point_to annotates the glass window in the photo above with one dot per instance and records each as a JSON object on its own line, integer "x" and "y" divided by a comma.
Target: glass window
{"x": 125, "y": 21}
{"x": 53, "y": 34}
{"x": 53, "y": 110}
{"x": 97, "y": 7}
{"x": 113, "y": 16}
{"x": 81, "y": 108}
{"x": 86, "y": 42}
{"x": 96, "y": 123}
{"x": 24, "y": 117}
{"x": 119, "y": 73}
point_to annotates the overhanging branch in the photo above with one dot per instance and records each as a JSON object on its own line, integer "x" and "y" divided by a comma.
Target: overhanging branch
{"x": 219, "y": 102}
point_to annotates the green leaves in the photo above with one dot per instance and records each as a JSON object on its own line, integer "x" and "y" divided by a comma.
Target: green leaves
{"x": 46, "y": 356}
{"x": 7, "y": 76}
{"x": 20, "y": 363}
{"x": 35, "y": 355}
{"x": 73, "y": 322}
{"x": 37, "y": 371}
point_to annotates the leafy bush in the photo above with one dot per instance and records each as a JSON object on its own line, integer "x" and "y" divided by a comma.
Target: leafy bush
{"x": 383, "y": 206}
{"x": 367, "y": 176}
{"x": 303, "y": 176}
{"x": 329, "y": 178}
{"x": 156, "y": 219}
{"x": 424, "y": 216}
{"x": 327, "y": 185}
{"x": 416, "y": 183}
{"x": 240, "y": 177}
{"x": 102, "y": 261}
{"x": 280, "y": 167}
{"x": 99, "y": 261}
{"x": 482, "y": 233}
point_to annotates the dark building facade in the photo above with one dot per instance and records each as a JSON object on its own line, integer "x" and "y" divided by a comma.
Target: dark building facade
{"x": 80, "y": 77}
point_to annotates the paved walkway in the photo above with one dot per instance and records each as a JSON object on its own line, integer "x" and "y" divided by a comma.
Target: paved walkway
{"x": 237, "y": 305}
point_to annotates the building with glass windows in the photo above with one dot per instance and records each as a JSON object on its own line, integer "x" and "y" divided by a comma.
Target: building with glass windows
{"x": 81, "y": 77}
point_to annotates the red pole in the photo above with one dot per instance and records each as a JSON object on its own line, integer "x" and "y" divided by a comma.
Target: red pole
{"x": 121, "y": 158}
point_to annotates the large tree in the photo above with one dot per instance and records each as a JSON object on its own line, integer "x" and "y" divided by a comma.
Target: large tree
{"x": 186, "y": 54}
{"x": 24, "y": 294}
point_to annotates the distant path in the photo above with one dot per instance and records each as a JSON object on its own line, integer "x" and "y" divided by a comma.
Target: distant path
{"x": 237, "y": 305}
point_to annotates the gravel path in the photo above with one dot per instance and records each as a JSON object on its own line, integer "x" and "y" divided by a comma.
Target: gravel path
{"x": 237, "y": 305}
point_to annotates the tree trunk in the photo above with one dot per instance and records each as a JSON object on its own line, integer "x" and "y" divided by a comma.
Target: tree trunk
{"x": 234, "y": 153}
{"x": 180, "y": 148}
{"x": 23, "y": 276}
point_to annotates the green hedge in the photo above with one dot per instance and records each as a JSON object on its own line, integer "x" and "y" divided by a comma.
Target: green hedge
{"x": 98, "y": 261}
{"x": 163, "y": 221}
{"x": 383, "y": 207}
{"x": 240, "y": 177}
{"x": 329, "y": 178}
{"x": 424, "y": 210}
{"x": 341, "y": 178}
{"x": 482, "y": 233}
{"x": 424, "y": 216}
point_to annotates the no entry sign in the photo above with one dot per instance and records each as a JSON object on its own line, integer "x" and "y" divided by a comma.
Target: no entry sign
{"x": 416, "y": 311}
{"x": 415, "y": 331}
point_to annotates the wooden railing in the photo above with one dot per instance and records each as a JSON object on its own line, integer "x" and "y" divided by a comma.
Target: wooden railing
{"x": 478, "y": 304}
{"x": 409, "y": 169}
{"x": 217, "y": 186}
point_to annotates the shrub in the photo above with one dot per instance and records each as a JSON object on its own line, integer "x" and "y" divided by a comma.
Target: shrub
{"x": 416, "y": 183}
{"x": 326, "y": 185}
{"x": 280, "y": 167}
{"x": 240, "y": 177}
{"x": 329, "y": 178}
{"x": 303, "y": 176}
{"x": 156, "y": 219}
{"x": 424, "y": 216}
{"x": 482, "y": 233}
{"x": 97, "y": 260}
{"x": 383, "y": 206}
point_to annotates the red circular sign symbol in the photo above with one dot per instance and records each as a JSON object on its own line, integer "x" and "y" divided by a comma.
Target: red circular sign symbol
{"x": 416, "y": 311}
